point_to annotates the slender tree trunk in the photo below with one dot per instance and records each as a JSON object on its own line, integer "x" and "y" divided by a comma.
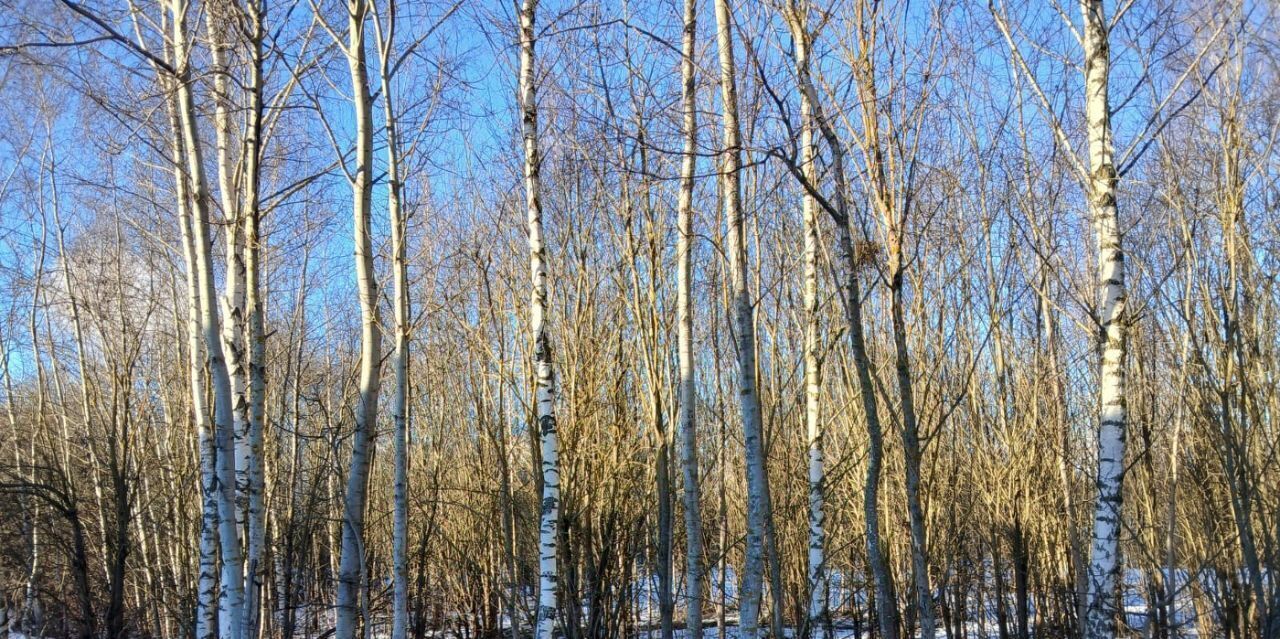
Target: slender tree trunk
{"x": 886, "y": 609}
{"x": 722, "y": 501}
{"x": 79, "y": 559}
{"x": 511, "y": 561}
{"x": 1104, "y": 558}
{"x": 400, "y": 361}
{"x": 744, "y": 335}
{"x": 666, "y": 536}
{"x": 287, "y": 576}
{"x": 893, "y": 219}
{"x": 80, "y": 576}
{"x": 777, "y": 611}
{"x": 351, "y": 562}
{"x": 220, "y": 27}
{"x": 1239, "y": 415}
{"x": 648, "y": 324}
{"x": 82, "y": 363}
{"x": 851, "y": 292}
{"x": 30, "y": 618}
{"x": 544, "y": 373}
{"x": 910, "y": 440}
{"x": 816, "y": 574}
{"x": 684, "y": 303}
{"x": 256, "y": 334}
{"x": 997, "y": 568}
{"x": 1170, "y": 572}
{"x": 207, "y": 580}
{"x": 1021, "y": 579}
{"x": 1057, "y": 400}
{"x": 231, "y": 604}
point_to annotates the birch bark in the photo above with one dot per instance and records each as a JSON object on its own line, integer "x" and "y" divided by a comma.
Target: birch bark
{"x": 684, "y": 303}
{"x": 219, "y": 29}
{"x": 351, "y": 562}
{"x": 207, "y": 580}
{"x": 851, "y": 292}
{"x": 232, "y": 597}
{"x": 401, "y": 310}
{"x": 1104, "y": 558}
{"x": 231, "y": 602}
{"x": 817, "y": 584}
{"x": 744, "y": 335}
{"x": 544, "y": 373}
{"x": 254, "y": 325}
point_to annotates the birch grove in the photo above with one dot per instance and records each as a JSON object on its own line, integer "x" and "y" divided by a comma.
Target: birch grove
{"x": 797, "y": 318}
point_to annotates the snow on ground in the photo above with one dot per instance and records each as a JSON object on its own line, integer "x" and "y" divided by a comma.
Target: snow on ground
{"x": 1137, "y": 615}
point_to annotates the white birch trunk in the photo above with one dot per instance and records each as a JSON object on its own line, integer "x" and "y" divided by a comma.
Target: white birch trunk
{"x": 400, "y": 407}
{"x": 1104, "y": 558}
{"x": 207, "y": 578}
{"x": 30, "y": 619}
{"x": 544, "y": 373}
{"x": 219, "y": 28}
{"x": 817, "y": 582}
{"x": 231, "y": 602}
{"x": 256, "y": 334}
{"x": 885, "y": 599}
{"x": 744, "y": 335}
{"x": 400, "y": 360}
{"x": 684, "y": 303}
{"x": 351, "y": 562}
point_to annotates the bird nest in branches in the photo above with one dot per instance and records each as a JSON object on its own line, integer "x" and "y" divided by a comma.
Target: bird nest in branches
{"x": 865, "y": 253}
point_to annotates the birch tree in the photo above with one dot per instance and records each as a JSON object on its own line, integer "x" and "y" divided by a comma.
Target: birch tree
{"x": 684, "y": 302}
{"x": 254, "y": 13}
{"x": 207, "y": 588}
{"x": 797, "y": 19}
{"x": 231, "y": 603}
{"x": 967, "y": 287}
{"x": 385, "y": 36}
{"x": 544, "y": 373}
{"x": 853, "y": 258}
{"x": 219, "y": 28}
{"x": 1100, "y": 177}
{"x": 351, "y": 564}
{"x": 743, "y": 330}
{"x": 1104, "y": 556}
